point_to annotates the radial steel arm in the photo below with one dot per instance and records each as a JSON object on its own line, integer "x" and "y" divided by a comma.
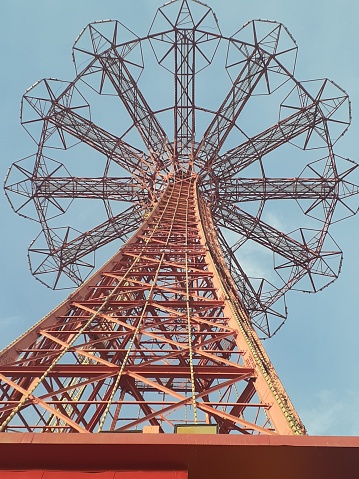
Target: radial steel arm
{"x": 242, "y": 156}
{"x": 252, "y": 228}
{"x": 223, "y": 122}
{"x": 255, "y": 189}
{"x": 117, "y": 227}
{"x": 258, "y": 308}
{"x": 152, "y": 133}
{"x": 71, "y": 251}
{"x": 129, "y": 158}
{"x": 184, "y": 110}
{"x": 104, "y": 188}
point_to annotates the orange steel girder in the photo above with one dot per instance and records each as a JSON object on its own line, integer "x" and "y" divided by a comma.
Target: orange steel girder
{"x": 157, "y": 337}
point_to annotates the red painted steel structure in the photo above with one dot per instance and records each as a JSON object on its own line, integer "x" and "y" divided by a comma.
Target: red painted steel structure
{"x": 160, "y": 339}
{"x": 165, "y": 333}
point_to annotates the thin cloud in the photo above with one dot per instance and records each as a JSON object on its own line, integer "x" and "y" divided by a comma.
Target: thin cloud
{"x": 331, "y": 414}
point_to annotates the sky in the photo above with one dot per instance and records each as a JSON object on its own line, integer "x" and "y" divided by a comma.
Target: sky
{"x": 316, "y": 352}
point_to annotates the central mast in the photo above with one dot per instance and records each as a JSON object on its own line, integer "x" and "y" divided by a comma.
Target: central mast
{"x": 159, "y": 337}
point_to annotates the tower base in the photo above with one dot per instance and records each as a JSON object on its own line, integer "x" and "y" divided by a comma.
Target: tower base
{"x": 172, "y": 456}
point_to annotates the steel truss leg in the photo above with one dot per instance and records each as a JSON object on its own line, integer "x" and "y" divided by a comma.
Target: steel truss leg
{"x": 157, "y": 337}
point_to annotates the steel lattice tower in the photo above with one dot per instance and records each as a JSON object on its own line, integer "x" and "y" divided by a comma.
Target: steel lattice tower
{"x": 166, "y": 332}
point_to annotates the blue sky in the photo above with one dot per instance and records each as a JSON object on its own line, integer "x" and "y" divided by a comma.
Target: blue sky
{"x": 316, "y": 352}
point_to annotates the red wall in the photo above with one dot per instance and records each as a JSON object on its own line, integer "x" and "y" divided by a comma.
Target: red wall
{"x": 42, "y": 474}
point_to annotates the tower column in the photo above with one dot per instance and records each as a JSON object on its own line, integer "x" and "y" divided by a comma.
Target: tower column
{"x": 157, "y": 337}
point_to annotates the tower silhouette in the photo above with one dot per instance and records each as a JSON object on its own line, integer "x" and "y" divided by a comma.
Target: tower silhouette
{"x": 166, "y": 333}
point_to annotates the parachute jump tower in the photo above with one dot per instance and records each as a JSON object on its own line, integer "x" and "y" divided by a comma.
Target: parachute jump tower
{"x": 185, "y": 157}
